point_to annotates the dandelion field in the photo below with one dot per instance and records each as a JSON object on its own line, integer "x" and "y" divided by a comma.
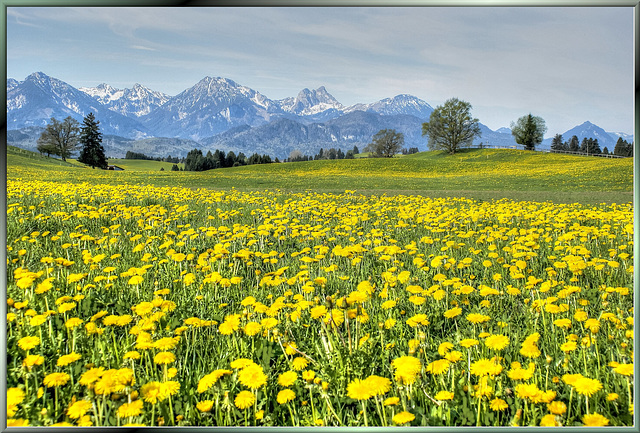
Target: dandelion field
{"x": 132, "y": 304}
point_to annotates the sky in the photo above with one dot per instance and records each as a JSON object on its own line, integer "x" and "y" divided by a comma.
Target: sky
{"x": 567, "y": 65}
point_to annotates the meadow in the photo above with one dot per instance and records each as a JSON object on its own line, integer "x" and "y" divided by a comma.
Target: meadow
{"x": 211, "y": 299}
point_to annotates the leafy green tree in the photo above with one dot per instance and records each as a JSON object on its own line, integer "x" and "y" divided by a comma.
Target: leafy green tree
{"x": 91, "y": 140}
{"x": 451, "y": 127}
{"x": 529, "y": 131}
{"x": 48, "y": 148}
{"x": 386, "y": 143}
{"x": 60, "y": 138}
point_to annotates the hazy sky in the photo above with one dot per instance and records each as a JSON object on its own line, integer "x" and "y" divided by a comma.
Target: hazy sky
{"x": 566, "y": 65}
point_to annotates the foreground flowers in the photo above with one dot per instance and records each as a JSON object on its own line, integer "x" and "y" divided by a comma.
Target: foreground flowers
{"x": 140, "y": 305}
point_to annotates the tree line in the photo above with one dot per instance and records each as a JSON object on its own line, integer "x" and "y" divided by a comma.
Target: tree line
{"x": 138, "y": 155}
{"x": 450, "y": 128}
{"x": 196, "y": 161}
{"x": 590, "y": 146}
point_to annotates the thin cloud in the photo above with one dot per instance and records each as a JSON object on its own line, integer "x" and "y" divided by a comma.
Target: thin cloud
{"x": 141, "y": 47}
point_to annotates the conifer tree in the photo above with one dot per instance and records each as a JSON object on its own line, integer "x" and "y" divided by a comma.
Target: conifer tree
{"x": 91, "y": 141}
{"x": 574, "y": 144}
{"x": 557, "y": 143}
{"x": 529, "y": 131}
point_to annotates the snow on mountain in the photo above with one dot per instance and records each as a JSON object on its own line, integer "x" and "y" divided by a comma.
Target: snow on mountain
{"x": 11, "y": 83}
{"x": 504, "y": 130}
{"x": 211, "y": 106}
{"x": 586, "y": 130}
{"x": 627, "y": 137}
{"x": 310, "y": 102}
{"x": 400, "y": 104}
{"x": 136, "y": 101}
{"x": 39, "y": 97}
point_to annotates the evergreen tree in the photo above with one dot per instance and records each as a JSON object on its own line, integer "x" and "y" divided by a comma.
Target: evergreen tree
{"x": 557, "y": 143}
{"x": 528, "y": 131}
{"x": 623, "y": 148}
{"x": 174, "y": 167}
{"x": 230, "y": 159}
{"x": 590, "y": 146}
{"x": 91, "y": 140}
{"x": 574, "y": 144}
{"x": 605, "y": 151}
{"x": 356, "y": 150}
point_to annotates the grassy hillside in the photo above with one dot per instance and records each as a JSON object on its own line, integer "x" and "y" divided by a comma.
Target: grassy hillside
{"x": 474, "y": 173}
{"x": 141, "y": 165}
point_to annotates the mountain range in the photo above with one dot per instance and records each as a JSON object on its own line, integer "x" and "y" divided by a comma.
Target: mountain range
{"x": 218, "y": 113}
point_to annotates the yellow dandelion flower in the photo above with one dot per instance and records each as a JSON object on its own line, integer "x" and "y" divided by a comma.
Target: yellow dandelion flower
{"x": 287, "y": 378}
{"x": 299, "y": 363}
{"x": 498, "y": 405}
{"x": 68, "y": 359}
{"x": 53, "y": 380}
{"x": 130, "y": 409}
{"x": 164, "y": 358}
{"x": 403, "y": 417}
{"x": 205, "y": 406}
{"x": 595, "y": 420}
{"x": 28, "y": 343}
{"x": 444, "y": 395}
{"x": 359, "y": 390}
{"x": 285, "y": 396}
{"x": 252, "y": 376}
{"x": 557, "y": 407}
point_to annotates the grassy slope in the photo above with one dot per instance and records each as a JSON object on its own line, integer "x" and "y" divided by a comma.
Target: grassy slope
{"x": 141, "y": 165}
{"x": 482, "y": 174}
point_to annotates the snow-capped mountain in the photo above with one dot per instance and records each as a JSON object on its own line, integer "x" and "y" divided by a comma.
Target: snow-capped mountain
{"x": 311, "y": 103}
{"x": 590, "y": 130}
{"x": 627, "y": 137}
{"x": 34, "y": 101}
{"x": 11, "y": 84}
{"x": 212, "y": 106}
{"x": 400, "y": 104}
{"x": 220, "y": 113}
{"x": 135, "y": 102}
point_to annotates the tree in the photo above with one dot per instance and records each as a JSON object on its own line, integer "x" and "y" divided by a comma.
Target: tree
{"x": 61, "y": 138}
{"x": 529, "y": 131}
{"x": 557, "y": 143}
{"x": 451, "y": 127}
{"x": 91, "y": 140}
{"x": 386, "y": 143}
{"x": 574, "y": 144}
{"x": 623, "y": 148}
{"x": 48, "y": 148}
{"x": 175, "y": 167}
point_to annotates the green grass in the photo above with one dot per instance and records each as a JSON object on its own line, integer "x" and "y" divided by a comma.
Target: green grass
{"x": 142, "y": 165}
{"x": 474, "y": 173}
